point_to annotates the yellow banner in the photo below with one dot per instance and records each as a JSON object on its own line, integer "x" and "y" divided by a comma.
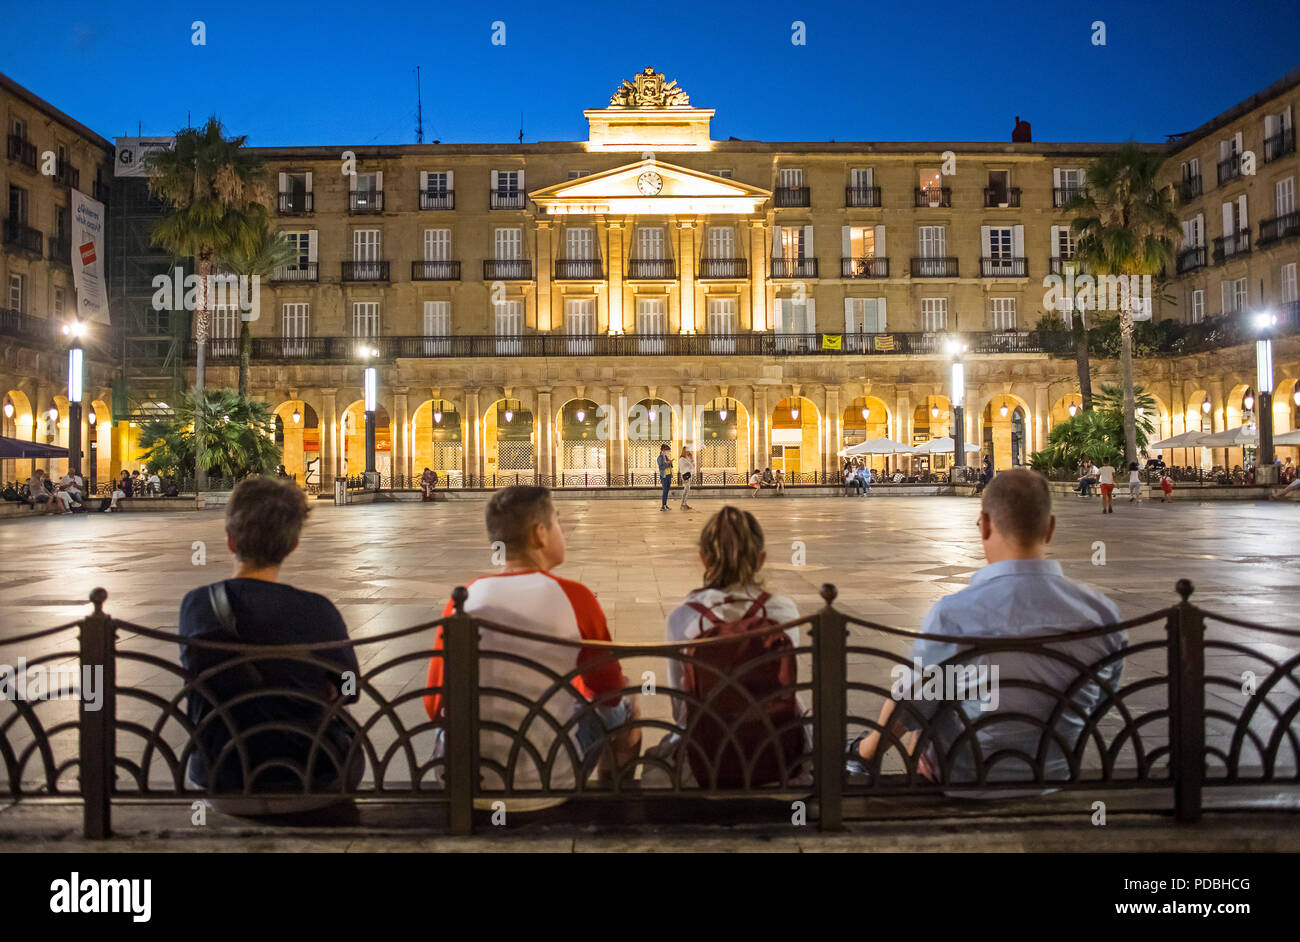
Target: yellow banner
{"x": 832, "y": 342}
{"x": 885, "y": 342}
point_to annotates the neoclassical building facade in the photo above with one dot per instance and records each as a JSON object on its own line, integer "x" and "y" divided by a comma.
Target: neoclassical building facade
{"x": 555, "y": 311}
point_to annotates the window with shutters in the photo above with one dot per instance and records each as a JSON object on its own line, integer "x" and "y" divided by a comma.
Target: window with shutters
{"x": 934, "y": 314}
{"x": 791, "y": 177}
{"x": 932, "y": 241}
{"x": 862, "y": 178}
{"x": 365, "y": 319}
{"x": 1000, "y": 243}
{"x": 1198, "y": 305}
{"x": 1065, "y": 244}
{"x": 1002, "y": 312}
{"x": 721, "y": 242}
{"x": 437, "y": 328}
{"x": 508, "y": 182}
{"x": 651, "y": 324}
{"x": 437, "y": 245}
{"x": 1284, "y": 195}
{"x": 365, "y": 245}
{"x": 295, "y": 328}
{"x": 61, "y": 301}
{"x": 720, "y": 321}
{"x": 791, "y": 245}
{"x": 508, "y": 316}
{"x": 650, "y": 243}
{"x": 865, "y": 316}
{"x": 580, "y": 244}
{"x": 1234, "y": 295}
{"x": 18, "y": 293}
{"x": 301, "y": 244}
{"x": 1288, "y": 284}
{"x": 580, "y": 325}
{"x": 862, "y": 241}
{"x": 436, "y": 183}
{"x": 508, "y": 244}
{"x": 225, "y": 329}
{"x": 367, "y": 189}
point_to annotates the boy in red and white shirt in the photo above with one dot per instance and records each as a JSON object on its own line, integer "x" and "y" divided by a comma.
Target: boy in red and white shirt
{"x": 524, "y": 521}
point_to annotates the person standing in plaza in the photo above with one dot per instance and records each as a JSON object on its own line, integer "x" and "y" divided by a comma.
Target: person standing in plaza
{"x": 1166, "y": 486}
{"x": 686, "y": 468}
{"x": 1106, "y": 478}
{"x": 665, "y": 474}
{"x": 1134, "y": 483}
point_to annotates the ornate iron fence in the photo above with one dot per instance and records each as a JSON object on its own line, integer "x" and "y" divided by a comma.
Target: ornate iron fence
{"x": 1169, "y": 713}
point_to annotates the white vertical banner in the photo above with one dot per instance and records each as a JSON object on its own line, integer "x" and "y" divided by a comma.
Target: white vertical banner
{"x": 88, "y": 258}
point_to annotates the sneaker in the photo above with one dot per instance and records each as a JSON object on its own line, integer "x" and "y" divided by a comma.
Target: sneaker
{"x": 854, "y": 764}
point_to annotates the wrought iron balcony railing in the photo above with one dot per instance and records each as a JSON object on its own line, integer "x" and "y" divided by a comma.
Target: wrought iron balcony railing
{"x": 868, "y": 196}
{"x": 307, "y": 271}
{"x": 1190, "y": 259}
{"x": 67, "y": 175}
{"x": 1229, "y": 169}
{"x": 784, "y": 197}
{"x": 1279, "y": 145}
{"x": 60, "y": 249}
{"x": 1003, "y": 267}
{"x": 506, "y": 199}
{"x": 1056, "y": 265}
{"x": 1232, "y": 245}
{"x": 22, "y": 150}
{"x": 437, "y": 199}
{"x": 651, "y": 269}
{"x": 1063, "y": 195}
{"x": 365, "y": 271}
{"x": 864, "y": 267}
{"x": 579, "y": 269}
{"x": 932, "y": 267}
{"x": 1189, "y": 188}
{"x": 507, "y": 269}
{"x": 722, "y": 269}
{"x": 366, "y": 201}
{"x": 1279, "y": 227}
{"x": 997, "y": 196}
{"x": 295, "y": 204}
{"x": 438, "y": 270}
{"x": 794, "y": 268}
{"x": 933, "y": 196}
{"x": 22, "y": 236}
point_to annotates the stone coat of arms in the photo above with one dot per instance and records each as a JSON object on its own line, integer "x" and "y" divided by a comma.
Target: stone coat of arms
{"x": 649, "y": 89}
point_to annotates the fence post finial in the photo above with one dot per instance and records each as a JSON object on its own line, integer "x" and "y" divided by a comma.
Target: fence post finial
{"x": 458, "y": 597}
{"x": 1184, "y": 588}
{"x": 97, "y": 598}
{"x": 829, "y": 593}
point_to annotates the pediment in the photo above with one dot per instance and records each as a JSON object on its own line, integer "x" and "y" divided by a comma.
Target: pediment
{"x": 680, "y": 190}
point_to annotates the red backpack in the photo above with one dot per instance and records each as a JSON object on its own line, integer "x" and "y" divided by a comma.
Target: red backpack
{"x": 755, "y": 696}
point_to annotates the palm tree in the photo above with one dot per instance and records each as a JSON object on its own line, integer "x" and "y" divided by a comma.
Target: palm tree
{"x": 267, "y": 252}
{"x": 216, "y": 430}
{"x": 1096, "y": 435}
{"x": 210, "y": 182}
{"x": 1126, "y": 227}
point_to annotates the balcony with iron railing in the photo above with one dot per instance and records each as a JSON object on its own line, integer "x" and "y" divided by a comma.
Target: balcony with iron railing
{"x": 1064, "y": 195}
{"x": 1229, "y": 169}
{"x": 579, "y": 269}
{"x": 305, "y": 271}
{"x": 437, "y": 199}
{"x": 60, "y": 249}
{"x": 1231, "y": 246}
{"x": 436, "y": 270}
{"x": 651, "y": 269}
{"x": 927, "y": 266}
{"x": 1006, "y": 267}
{"x": 22, "y": 151}
{"x": 362, "y": 202}
{"x": 22, "y": 236}
{"x": 1001, "y": 197}
{"x": 1190, "y": 259}
{"x": 789, "y": 197}
{"x": 1057, "y": 265}
{"x": 506, "y": 199}
{"x": 933, "y": 196}
{"x": 297, "y": 203}
{"x": 1279, "y": 145}
{"x": 862, "y": 196}
{"x": 1189, "y": 188}
{"x": 794, "y": 268}
{"x": 365, "y": 271}
{"x": 507, "y": 269}
{"x": 723, "y": 269}
{"x": 1279, "y": 227}
{"x": 864, "y": 267}
{"x": 67, "y": 175}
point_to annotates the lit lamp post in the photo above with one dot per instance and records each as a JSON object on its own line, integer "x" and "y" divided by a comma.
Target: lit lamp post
{"x": 1265, "y": 470}
{"x": 92, "y": 448}
{"x": 371, "y": 396}
{"x": 955, "y": 349}
{"x": 75, "y": 365}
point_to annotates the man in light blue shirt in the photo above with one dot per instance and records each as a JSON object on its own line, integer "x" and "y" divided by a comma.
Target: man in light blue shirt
{"x": 972, "y": 703}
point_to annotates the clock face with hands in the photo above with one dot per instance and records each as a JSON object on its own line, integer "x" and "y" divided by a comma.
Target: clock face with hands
{"x": 650, "y": 183}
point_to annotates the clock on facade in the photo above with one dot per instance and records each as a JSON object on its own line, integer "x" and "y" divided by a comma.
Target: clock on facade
{"x": 650, "y": 183}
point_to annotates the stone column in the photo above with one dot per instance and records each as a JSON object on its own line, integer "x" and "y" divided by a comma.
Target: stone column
{"x": 545, "y": 437}
{"x": 762, "y": 449}
{"x": 329, "y": 440}
{"x": 401, "y": 432}
{"x": 617, "y": 324}
{"x": 834, "y": 432}
{"x": 616, "y": 432}
{"x": 1042, "y": 422}
{"x": 690, "y": 434}
{"x": 473, "y": 439}
{"x": 1219, "y": 415}
{"x": 686, "y": 252}
{"x": 544, "y": 254}
{"x": 758, "y": 274}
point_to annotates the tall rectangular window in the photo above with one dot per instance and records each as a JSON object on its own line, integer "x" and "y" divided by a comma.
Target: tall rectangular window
{"x": 301, "y": 244}
{"x": 437, "y": 328}
{"x": 365, "y": 319}
{"x": 1288, "y": 284}
{"x": 1198, "y": 306}
{"x": 864, "y": 315}
{"x": 437, "y": 245}
{"x": 436, "y": 183}
{"x": 1284, "y": 195}
{"x": 720, "y": 321}
{"x": 580, "y": 324}
{"x": 933, "y": 242}
{"x": 650, "y": 243}
{"x": 1002, "y": 311}
{"x": 651, "y": 324}
{"x": 295, "y": 328}
{"x": 580, "y": 243}
{"x": 508, "y": 244}
{"x": 18, "y": 293}
{"x": 721, "y": 242}
{"x": 862, "y": 241}
{"x": 508, "y": 182}
{"x": 365, "y": 245}
{"x": 934, "y": 314}
{"x": 791, "y": 177}
{"x": 225, "y": 330}
{"x": 1000, "y": 243}
{"x": 509, "y": 324}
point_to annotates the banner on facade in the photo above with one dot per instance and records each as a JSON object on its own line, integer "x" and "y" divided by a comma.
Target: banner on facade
{"x": 884, "y": 342}
{"x": 832, "y": 341}
{"x": 88, "y": 258}
{"x": 130, "y": 152}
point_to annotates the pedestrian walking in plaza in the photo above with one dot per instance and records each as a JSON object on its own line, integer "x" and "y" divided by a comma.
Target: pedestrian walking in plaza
{"x": 686, "y": 468}
{"x": 1134, "y": 483}
{"x": 1166, "y": 486}
{"x": 1106, "y": 477}
{"x": 665, "y": 474}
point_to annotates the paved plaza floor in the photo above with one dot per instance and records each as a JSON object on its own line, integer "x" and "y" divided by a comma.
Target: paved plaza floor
{"x": 390, "y": 565}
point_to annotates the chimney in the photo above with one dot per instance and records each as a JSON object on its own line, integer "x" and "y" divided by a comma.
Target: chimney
{"x": 1021, "y": 134}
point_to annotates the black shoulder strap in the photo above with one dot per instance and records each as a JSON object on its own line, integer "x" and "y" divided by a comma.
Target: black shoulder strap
{"x": 221, "y": 606}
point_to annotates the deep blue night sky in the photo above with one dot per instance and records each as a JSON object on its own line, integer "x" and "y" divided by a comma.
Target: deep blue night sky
{"x": 343, "y": 73}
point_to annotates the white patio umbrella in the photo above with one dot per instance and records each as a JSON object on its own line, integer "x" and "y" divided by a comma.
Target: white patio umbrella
{"x": 1288, "y": 438}
{"x": 1185, "y": 440}
{"x": 939, "y": 446}
{"x": 876, "y": 446}
{"x": 1242, "y": 435}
